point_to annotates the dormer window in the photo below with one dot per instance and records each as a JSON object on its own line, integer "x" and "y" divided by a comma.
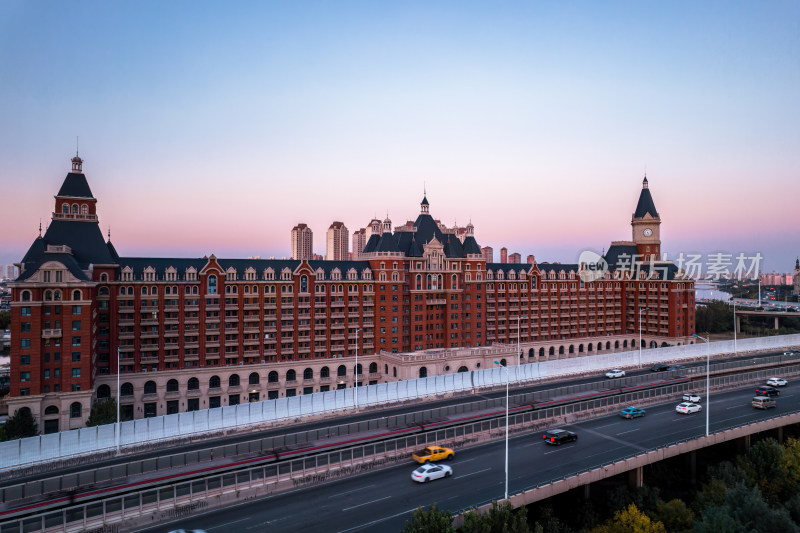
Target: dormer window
{"x": 74, "y": 209}
{"x": 212, "y": 284}
{"x": 84, "y": 209}
{"x": 65, "y": 209}
{"x": 269, "y": 274}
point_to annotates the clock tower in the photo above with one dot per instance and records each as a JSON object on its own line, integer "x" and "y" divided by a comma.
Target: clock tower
{"x": 646, "y": 226}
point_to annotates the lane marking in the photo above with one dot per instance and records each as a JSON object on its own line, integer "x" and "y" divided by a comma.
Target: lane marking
{"x": 366, "y": 503}
{"x": 473, "y": 473}
{"x": 350, "y": 491}
{"x": 229, "y": 523}
{"x": 378, "y": 521}
{"x": 629, "y": 431}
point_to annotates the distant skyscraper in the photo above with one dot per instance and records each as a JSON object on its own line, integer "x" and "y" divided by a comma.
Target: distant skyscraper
{"x": 11, "y": 271}
{"x": 515, "y": 258}
{"x": 302, "y": 242}
{"x": 488, "y": 254}
{"x": 531, "y": 259}
{"x": 796, "y": 277}
{"x": 503, "y": 255}
{"x": 337, "y": 242}
{"x": 359, "y": 241}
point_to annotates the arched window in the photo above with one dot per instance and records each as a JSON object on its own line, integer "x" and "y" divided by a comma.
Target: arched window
{"x": 26, "y": 296}
{"x": 541, "y": 352}
{"x": 103, "y": 277}
{"x": 308, "y": 374}
{"x": 608, "y": 345}
{"x": 172, "y": 385}
{"x": 423, "y": 372}
{"x": 74, "y": 209}
{"x": 193, "y": 384}
{"x": 212, "y": 284}
{"x": 76, "y": 295}
{"x": 84, "y": 209}
{"x": 571, "y": 348}
{"x": 103, "y": 392}
{"x": 341, "y": 371}
{"x": 48, "y": 296}
{"x": 233, "y": 381}
{"x": 75, "y": 410}
{"x": 51, "y": 410}
{"x": 324, "y": 372}
{"x": 126, "y": 389}
{"x": 624, "y": 343}
{"x": 254, "y": 379}
{"x": 150, "y": 387}
{"x": 359, "y": 369}
{"x": 303, "y": 283}
{"x": 394, "y": 371}
{"x": 530, "y": 353}
{"x": 65, "y": 209}
{"x": 616, "y": 345}
{"x": 560, "y": 350}
{"x": 373, "y": 368}
{"x": 103, "y": 291}
{"x": 57, "y": 296}
{"x": 214, "y": 382}
{"x": 463, "y": 369}
{"x": 291, "y": 375}
{"x": 272, "y": 377}
{"x": 552, "y": 351}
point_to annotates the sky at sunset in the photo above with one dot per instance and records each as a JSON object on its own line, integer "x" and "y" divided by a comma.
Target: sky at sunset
{"x": 210, "y": 127}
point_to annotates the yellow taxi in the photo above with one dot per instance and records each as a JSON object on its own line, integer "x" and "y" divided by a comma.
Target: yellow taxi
{"x": 432, "y": 453}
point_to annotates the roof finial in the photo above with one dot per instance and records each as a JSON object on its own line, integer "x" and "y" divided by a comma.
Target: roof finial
{"x": 77, "y": 146}
{"x": 109, "y": 233}
{"x": 40, "y": 227}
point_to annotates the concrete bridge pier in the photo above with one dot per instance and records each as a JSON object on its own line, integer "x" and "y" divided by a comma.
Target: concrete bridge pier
{"x": 636, "y": 478}
{"x": 744, "y": 444}
{"x": 776, "y": 323}
{"x": 586, "y": 491}
{"x": 780, "y": 435}
{"x": 692, "y": 456}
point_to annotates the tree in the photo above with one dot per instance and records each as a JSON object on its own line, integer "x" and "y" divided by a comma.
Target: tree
{"x": 499, "y": 519}
{"x": 675, "y": 516}
{"x": 103, "y": 412}
{"x": 21, "y": 425}
{"x": 432, "y": 520}
{"x": 630, "y": 520}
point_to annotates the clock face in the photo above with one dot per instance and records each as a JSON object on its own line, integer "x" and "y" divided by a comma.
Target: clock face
{"x": 648, "y": 232}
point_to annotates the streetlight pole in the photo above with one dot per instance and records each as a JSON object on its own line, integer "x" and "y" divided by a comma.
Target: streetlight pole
{"x": 356, "y": 369}
{"x": 506, "y": 369}
{"x": 116, "y": 428}
{"x": 640, "y": 334}
{"x": 734, "y": 327}
{"x": 708, "y": 376}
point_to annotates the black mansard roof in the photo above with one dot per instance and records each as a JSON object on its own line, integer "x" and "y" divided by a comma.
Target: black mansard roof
{"x": 411, "y": 243}
{"x": 160, "y": 265}
{"x": 75, "y": 186}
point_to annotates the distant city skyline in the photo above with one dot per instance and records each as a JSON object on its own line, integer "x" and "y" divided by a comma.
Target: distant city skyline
{"x": 208, "y": 129}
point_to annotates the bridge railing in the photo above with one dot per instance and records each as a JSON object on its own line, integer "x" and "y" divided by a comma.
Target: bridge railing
{"x": 45, "y": 448}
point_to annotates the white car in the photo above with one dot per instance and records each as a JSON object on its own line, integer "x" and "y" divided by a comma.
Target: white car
{"x": 691, "y": 397}
{"x": 777, "y": 382}
{"x": 688, "y": 408}
{"x": 429, "y": 472}
{"x": 616, "y": 373}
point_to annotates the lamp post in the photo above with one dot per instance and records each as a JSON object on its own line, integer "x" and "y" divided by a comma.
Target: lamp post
{"x": 708, "y": 376}
{"x": 734, "y": 327}
{"x": 640, "y": 334}
{"x": 356, "y": 369}
{"x": 506, "y": 369}
{"x": 519, "y": 353}
{"x": 116, "y": 428}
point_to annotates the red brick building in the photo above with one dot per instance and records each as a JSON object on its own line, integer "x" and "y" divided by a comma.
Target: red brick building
{"x": 182, "y": 329}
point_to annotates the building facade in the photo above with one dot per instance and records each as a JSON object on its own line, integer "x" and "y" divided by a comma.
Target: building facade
{"x": 302, "y": 242}
{"x": 194, "y": 333}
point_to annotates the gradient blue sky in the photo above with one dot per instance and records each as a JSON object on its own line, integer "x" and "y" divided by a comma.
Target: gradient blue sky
{"x": 214, "y": 128}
